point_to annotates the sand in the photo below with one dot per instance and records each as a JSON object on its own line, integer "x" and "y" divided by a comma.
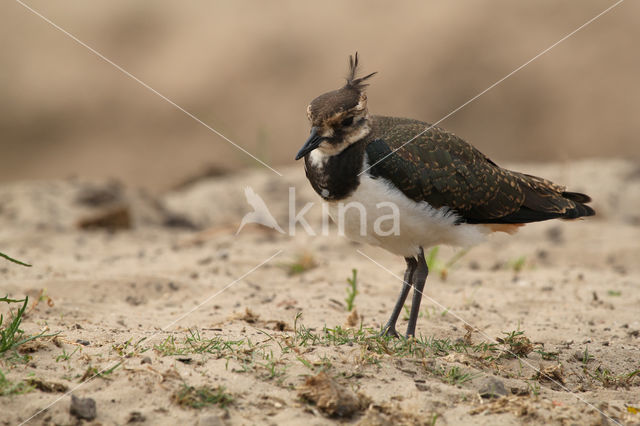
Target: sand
{"x": 131, "y": 297}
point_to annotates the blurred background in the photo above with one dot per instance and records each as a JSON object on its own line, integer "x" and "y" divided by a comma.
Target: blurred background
{"x": 249, "y": 69}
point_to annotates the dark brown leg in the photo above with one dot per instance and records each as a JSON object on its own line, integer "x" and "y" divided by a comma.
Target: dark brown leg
{"x": 419, "y": 279}
{"x": 390, "y": 328}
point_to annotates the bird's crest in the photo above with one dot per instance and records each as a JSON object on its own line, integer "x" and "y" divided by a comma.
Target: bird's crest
{"x": 349, "y": 97}
{"x": 353, "y": 82}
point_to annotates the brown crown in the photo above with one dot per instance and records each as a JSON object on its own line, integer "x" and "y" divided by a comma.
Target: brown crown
{"x": 344, "y": 99}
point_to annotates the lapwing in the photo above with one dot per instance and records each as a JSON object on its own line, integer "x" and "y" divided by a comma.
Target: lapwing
{"x": 445, "y": 190}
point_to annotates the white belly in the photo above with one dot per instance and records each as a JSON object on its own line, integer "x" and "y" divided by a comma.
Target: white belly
{"x": 368, "y": 216}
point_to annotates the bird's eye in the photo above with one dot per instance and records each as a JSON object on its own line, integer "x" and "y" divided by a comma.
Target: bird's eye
{"x": 347, "y": 121}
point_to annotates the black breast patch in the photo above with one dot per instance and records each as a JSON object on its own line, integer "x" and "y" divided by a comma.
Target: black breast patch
{"x": 337, "y": 178}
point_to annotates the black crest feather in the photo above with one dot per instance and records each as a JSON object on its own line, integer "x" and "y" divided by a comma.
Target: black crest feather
{"x": 352, "y": 81}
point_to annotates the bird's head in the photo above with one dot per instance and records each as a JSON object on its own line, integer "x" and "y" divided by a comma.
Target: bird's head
{"x": 338, "y": 118}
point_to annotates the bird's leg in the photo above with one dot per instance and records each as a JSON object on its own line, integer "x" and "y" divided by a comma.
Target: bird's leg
{"x": 419, "y": 278}
{"x": 390, "y": 327}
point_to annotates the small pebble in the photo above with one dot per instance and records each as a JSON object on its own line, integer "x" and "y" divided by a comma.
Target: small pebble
{"x": 83, "y": 408}
{"x": 492, "y": 388}
{"x": 136, "y": 417}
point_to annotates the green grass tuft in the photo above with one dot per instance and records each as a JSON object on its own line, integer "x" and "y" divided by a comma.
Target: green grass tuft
{"x": 8, "y": 387}
{"x": 518, "y": 264}
{"x": 194, "y": 343}
{"x": 352, "y": 290}
{"x": 11, "y": 336}
{"x": 66, "y": 356}
{"x": 455, "y": 375}
{"x": 204, "y": 396}
{"x": 516, "y": 344}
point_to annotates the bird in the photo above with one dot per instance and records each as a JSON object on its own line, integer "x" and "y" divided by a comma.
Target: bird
{"x": 441, "y": 188}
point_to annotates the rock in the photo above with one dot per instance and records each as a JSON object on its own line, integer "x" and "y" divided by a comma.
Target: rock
{"x": 422, "y": 387}
{"x": 83, "y": 408}
{"x": 492, "y": 388}
{"x": 136, "y": 417}
{"x": 112, "y": 219}
{"x": 135, "y": 300}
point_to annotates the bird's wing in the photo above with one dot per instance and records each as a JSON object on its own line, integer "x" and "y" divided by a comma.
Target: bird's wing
{"x": 445, "y": 171}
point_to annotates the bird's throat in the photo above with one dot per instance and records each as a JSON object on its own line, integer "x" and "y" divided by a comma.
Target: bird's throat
{"x": 335, "y": 177}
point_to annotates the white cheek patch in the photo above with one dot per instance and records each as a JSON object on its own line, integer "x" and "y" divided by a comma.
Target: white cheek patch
{"x": 317, "y": 158}
{"x": 362, "y": 102}
{"x": 364, "y": 131}
{"x": 327, "y": 132}
{"x": 332, "y": 149}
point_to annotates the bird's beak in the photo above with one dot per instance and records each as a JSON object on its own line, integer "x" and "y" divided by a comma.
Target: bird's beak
{"x": 311, "y": 143}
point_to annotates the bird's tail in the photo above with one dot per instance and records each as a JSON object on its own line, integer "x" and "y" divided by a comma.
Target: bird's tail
{"x": 579, "y": 200}
{"x": 546, "y": 200}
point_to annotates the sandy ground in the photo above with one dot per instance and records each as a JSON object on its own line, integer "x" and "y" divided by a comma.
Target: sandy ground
{"x": 179, "y": 301}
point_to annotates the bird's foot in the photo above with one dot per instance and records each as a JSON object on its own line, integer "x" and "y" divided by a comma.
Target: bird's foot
{"x": 389, "y": 331}
{"x": 411, "y": 334}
